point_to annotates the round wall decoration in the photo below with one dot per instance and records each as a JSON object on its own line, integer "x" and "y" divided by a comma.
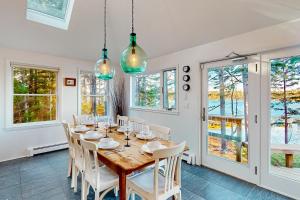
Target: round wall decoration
{"x": 186, "y": 78}
{"x": 186, "y": 68}
{"x": 186, "y": 87}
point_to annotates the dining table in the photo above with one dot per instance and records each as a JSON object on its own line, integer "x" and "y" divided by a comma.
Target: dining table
{"x": 125, "y": 161}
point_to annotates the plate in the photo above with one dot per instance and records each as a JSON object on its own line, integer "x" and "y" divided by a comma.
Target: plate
{"x": 92, "y": 135}
{"x": 111, "y": 145}
{"x": 145, "y": 137}
{"x": 88, "y": 123}
{"x": 146, "y": 149}
{"x": 81, "y": 129}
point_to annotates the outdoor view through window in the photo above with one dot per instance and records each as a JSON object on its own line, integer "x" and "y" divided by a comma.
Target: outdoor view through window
{"x": 228, "y": 112}
{"x": 34, "y": 94}
{"x": 285, "y": 109}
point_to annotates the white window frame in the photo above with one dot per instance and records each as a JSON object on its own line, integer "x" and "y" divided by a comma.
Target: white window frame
{"x": 108, "y": 111}
{"x": 10, "y": 95}
{"x": 49, "y": 20}
{"x": 161, "y": 108}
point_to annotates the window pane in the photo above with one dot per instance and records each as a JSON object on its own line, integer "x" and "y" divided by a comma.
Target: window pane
{"x": 170, "y": 89}
{"x": 34, "y": 109}
{"x": 33, "y": 81}
{"x": 148, "y": 90}
{"x": 90, "y": 85}
{"x": 93, "y": 105}
{"x": 55, "y": 8}
{"x": 228, "y": 112}
{"x": 285, "y": 110}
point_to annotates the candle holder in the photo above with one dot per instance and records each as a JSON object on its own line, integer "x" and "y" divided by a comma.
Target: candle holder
{"x": 106, "y": 135}
{"x": 127, "y": 139}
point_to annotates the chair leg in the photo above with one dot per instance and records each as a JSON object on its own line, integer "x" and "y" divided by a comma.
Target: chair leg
{"x": 116, "y": 191}
{"x": 73, "y": 175}
{"x": 83, "y": 188}
{"x": 178, "y": 196}
{"x": 132, "y": 196}
{"x": 70, "y": 166}
{"x": 75, "y": 180}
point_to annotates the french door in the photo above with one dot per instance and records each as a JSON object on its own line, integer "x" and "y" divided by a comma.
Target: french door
{"x": 230, "y": 117}
{"x": 280, "y": 132}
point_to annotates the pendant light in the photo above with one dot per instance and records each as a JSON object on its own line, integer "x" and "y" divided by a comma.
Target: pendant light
{"x": 103, "y": 68}
{"x": 133, "y": 59}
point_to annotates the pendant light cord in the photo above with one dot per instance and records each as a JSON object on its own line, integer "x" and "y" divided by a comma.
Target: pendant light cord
{"x": 132, "y": 16}
{"x": 105, "y": 24}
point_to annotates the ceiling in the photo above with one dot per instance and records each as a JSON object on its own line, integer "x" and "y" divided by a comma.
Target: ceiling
{"x": 162, "y": 26}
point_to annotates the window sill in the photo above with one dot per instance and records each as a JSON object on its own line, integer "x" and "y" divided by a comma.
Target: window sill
{"x": 32, "y": 125}
{"x": 153, "y": 110}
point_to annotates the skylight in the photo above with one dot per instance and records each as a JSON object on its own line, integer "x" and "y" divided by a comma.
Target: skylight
{"x": 55, "y": 13}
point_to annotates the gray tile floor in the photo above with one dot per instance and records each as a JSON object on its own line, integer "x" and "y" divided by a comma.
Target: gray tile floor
{"x": 43, "y": 177}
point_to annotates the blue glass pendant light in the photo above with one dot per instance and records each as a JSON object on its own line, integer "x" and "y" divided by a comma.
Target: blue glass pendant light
{"x": 103, "y": 68}
{"x": 133, "y": 59}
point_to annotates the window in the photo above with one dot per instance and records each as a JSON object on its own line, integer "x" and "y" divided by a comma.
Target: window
{"x": 155, "y": 91}
{"x": 169, "y": 89}
{"x": 34, "y": 94}
{"x": 93, "y": 95}
{"x": 55, "y": 13}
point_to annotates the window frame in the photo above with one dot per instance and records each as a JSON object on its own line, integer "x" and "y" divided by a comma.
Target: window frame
{"x": 79, "y": 96}
{"x": 9, "y": 89}
{"x": 161, "y": 108}
{"x": 50, "y": 20}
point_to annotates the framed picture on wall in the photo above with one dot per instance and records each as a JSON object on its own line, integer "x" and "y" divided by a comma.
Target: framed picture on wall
{"x": 70, "y": 82}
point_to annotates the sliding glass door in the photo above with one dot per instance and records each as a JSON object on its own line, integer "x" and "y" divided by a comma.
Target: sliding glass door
{"x": 230, "y": 127}
{"x": 280, "y": 98}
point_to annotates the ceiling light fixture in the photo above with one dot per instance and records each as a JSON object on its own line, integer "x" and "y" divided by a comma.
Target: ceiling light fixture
{"x": 103, "y": 68}
{"x": 133, "y": 59}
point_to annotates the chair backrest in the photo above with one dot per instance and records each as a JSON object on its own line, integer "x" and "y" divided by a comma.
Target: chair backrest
{"x": 160, "y": 131}
{"x": 122, "y": 120}
{"x": 77, "y": 149}
{"x": 67, "y": 131}
{"x": 137, "y": 124}
{"x": 76, "y": 120}
{"x": 91, "y": 163}
{"x": 172, "y": 166}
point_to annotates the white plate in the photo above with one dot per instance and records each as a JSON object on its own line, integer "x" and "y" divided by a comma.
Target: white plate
{"x": 88, "y": 123}
{"x": 80, "y": 130}
{"x": 145, "y": 137}
{"x": 111, "y": 145}
{"x": 92, "y": 135}
{"x": 146, "y": 149}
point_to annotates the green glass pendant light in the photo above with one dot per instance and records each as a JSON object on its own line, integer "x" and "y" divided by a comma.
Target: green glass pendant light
{"x": 103, "y": 68}
{"x": 133, "y": 59}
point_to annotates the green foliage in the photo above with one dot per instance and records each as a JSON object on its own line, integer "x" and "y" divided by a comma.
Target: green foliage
{"x": 278, "y": 159}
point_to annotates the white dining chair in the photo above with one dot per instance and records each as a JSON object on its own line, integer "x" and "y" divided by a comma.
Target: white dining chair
{"x": 122, "y": 120}
{"x": 161, "y": 132}
{"x": 137, "y": 124}
{"x": 67, "y": 130}
{"x": 152, "y": 185}
{"x": 100, "y": 178}
{"x": 78, "y": 164}
{"x": 75, "y": 120}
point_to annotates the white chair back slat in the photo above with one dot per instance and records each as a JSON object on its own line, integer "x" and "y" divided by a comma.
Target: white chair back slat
{"x": 172, "y": 168}
{"x": 76, "y": 120}
{"x": 122, "y": 120}
{"x": 78, "y": 150}
{"x": 160, "y": 131}
{"x": 67, "y": 131}
{"x": 138, "y": 124}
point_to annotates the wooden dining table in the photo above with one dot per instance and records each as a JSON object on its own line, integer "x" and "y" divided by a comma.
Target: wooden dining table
{"x": 127, "y": 160}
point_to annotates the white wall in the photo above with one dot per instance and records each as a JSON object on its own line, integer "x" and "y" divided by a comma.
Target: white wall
{"x": 186, "y": 125}
{"x": 14, "y": 143}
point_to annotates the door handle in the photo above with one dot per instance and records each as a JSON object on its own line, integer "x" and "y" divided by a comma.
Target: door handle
{"x": 203, "y": 114}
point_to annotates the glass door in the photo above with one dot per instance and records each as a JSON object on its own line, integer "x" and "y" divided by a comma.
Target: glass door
{"x": 280, "y": 98}
{"x": 230, "y": 125}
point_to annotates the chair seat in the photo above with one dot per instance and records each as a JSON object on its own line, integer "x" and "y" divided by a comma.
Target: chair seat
{"x": 144, "y": 183}
{"x": 107, "y": 178}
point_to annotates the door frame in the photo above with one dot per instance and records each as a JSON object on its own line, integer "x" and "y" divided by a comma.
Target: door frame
{"x": 269, "y": 180}
{"x": 249, "y": 172}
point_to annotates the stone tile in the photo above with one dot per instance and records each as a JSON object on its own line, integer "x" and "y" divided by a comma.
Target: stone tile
{"x": 259, "y": 193}
{"x": 9, "y": 180}
{"x": 11, "y": 193}
{"x": 215, "y": 192}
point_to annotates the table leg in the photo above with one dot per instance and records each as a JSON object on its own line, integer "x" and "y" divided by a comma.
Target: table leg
{"x": 122, "y": 185}
{"x": 289, "y": 160}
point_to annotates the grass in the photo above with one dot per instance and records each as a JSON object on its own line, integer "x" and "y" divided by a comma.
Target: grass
{"x": 278, "y": 159}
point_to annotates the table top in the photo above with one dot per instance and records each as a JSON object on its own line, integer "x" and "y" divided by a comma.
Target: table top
{"x": 128, "y": 159}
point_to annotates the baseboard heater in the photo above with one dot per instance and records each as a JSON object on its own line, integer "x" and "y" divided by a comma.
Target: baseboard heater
{"x": 189, "y": 157}
{"x": 47, "y": 148}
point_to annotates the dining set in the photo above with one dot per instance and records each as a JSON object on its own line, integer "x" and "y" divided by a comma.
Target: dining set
{"x": 130, "y": 157}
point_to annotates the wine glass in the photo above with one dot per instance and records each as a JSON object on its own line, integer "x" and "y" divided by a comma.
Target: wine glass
{"x": 106, "y": 126}
{"x": 127, "y": 133}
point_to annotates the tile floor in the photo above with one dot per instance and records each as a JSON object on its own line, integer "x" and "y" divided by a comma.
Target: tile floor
{"x": 43, "y": 177}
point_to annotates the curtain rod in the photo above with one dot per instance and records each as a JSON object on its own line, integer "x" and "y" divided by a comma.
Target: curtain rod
{"x": 229, "y": 58}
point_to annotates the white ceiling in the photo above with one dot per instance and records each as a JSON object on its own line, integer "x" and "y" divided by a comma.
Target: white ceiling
{"x": 162, "y": 26}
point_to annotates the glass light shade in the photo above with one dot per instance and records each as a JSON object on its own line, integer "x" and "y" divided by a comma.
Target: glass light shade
{"x": 103, "y": 68}
{"x": 133, "y": 59}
